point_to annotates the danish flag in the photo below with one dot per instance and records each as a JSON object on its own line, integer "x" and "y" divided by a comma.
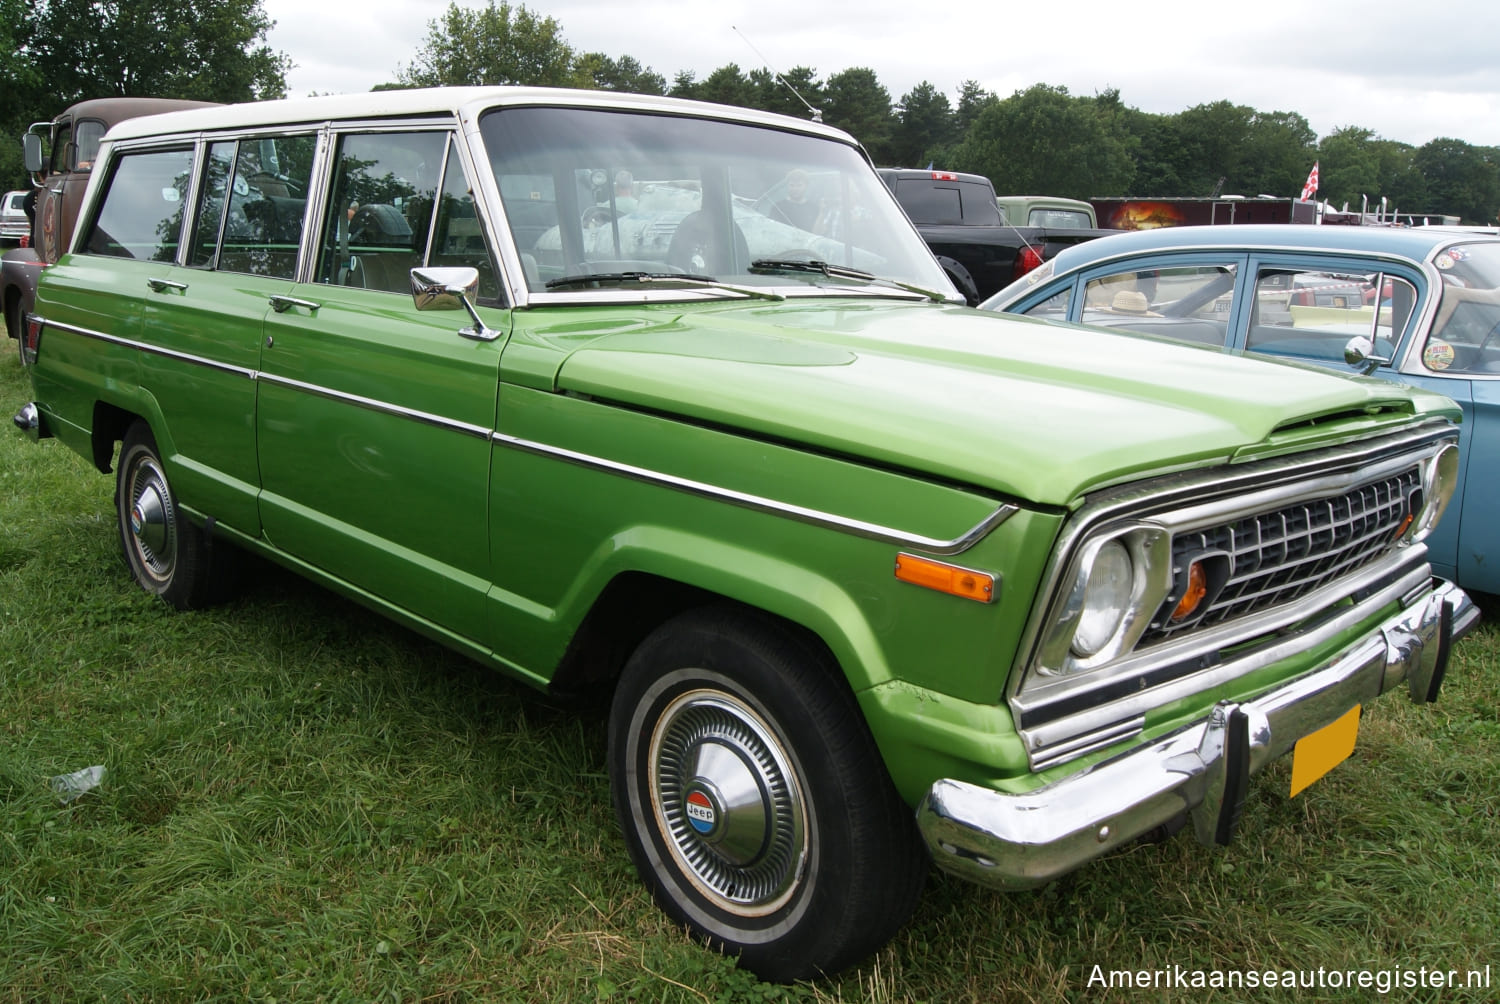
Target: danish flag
{"x": 1311, "y": 188}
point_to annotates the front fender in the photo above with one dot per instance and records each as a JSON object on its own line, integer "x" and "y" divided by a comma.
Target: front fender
{"x": 771, "y": 583}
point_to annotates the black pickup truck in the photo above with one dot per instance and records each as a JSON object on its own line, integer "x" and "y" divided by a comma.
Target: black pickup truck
{"x": 958, "y": 217}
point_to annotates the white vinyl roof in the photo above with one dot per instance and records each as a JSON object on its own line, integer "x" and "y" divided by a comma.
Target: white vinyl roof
{"x": 465, "y": 101}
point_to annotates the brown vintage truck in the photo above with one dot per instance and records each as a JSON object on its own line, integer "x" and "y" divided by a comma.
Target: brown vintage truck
{"x": 60, "y": 155}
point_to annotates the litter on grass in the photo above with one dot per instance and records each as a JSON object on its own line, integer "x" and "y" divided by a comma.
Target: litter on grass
{"x": 71, "y": 786}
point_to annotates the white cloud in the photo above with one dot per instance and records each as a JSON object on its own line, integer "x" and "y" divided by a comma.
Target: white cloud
{"x": 1401, "y": 72}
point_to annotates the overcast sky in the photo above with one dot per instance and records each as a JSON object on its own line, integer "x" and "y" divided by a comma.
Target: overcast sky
{"x": 1407, "y": 71}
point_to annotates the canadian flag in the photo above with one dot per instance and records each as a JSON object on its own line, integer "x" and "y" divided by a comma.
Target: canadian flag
{"x": 1311, "y": 188}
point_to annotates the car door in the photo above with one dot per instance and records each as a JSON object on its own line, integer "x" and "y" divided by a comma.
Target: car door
{"x": 1455, "y": 359}
{"x": 373, "y": 419}
{"x": 1477, "y": 559}
{"x": 93, "y": 299}
{"x": 208, "y": 314}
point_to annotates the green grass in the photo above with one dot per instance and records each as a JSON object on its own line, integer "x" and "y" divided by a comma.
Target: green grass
{"x": 307, "y": 803}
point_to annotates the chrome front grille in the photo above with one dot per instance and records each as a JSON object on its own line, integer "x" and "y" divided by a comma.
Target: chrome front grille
{"x": 1275, "y": 557}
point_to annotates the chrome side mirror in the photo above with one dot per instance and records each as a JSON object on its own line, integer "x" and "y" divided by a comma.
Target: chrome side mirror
{"x": 31, "y": 152}
{"x": 451, "y": 289}
{"x": 1359, "y": 352}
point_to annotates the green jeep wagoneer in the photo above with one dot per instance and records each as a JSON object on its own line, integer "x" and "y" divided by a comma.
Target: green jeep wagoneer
{"x": 573, "y": 383}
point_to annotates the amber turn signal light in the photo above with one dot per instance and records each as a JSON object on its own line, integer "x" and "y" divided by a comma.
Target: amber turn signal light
{"x": 1197, "y": 588}
{"x": 946, "y": 578}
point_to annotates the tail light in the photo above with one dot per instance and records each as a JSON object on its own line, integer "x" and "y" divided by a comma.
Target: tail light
{"x": 31, "y": 337}
{"x": 1028, "y": 259}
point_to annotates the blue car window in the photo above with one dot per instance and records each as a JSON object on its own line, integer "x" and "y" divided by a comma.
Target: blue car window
{"x": 1465, "y": 336}
{"x": 1312, "y": 314}
{"x": 1188, "y": 303}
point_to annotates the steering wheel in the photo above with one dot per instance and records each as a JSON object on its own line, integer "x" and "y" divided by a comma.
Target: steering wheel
{"x": 597, "y": 216}
{"x": 697, "y": 247}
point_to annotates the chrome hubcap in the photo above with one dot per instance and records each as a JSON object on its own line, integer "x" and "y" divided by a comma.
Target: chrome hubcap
{"x": 728, "y": 802}
{"x": 152, "y": 529}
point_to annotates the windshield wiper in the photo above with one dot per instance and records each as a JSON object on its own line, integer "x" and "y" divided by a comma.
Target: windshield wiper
{"x": 841, "y": 272}
{"x": 665, "y": 278}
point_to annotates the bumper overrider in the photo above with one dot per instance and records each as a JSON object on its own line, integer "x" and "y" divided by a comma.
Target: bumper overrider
{"x": 1018, "y": 841}
{"x": 30, "y": 421}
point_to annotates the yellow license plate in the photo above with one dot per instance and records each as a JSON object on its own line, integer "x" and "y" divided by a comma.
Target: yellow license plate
{"x": 1319, "y": 752}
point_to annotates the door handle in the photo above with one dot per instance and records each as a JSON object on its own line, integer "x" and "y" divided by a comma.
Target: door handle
{"x": 281, "y": 304}
{"x": 162, "y": 285}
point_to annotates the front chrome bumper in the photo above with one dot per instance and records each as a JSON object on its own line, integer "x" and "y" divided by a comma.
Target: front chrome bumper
{"x": 1018, "y": 841}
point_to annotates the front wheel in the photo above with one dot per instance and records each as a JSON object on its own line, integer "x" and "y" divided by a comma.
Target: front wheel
{"x": 167, "y": 554}
{"x": 752, "y": 797}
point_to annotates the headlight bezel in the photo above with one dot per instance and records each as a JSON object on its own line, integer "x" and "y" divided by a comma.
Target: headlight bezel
{"x": 1439, "y": 483}
{"x": 1148, "y": 548}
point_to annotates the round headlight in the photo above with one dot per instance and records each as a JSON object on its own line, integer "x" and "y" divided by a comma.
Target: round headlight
{"x": 1106, "y": 599}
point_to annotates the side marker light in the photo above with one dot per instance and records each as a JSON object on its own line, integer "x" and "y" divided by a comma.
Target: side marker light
{"x": 946, "y": 578}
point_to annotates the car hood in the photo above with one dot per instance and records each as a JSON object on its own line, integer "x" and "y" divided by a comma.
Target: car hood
{"x": 1032, "y": 410}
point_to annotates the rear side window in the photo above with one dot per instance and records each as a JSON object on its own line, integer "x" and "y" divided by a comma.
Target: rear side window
{"x": 140, "y": 215}
{"x": 252, "y": 202}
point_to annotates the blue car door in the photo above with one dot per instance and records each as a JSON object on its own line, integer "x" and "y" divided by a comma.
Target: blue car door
{"x": 1466, "y": 545}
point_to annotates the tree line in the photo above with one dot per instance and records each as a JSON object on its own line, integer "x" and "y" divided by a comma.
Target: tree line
{"x": 1042, "y": 140}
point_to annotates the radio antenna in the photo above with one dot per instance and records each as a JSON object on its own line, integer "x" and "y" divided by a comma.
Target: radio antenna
{"x": 817, "y": 113}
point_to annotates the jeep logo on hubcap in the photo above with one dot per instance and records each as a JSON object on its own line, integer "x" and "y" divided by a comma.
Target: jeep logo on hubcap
{"x": 702, "y": 814}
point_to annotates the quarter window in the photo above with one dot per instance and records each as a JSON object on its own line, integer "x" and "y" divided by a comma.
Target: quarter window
{"x": 1055, "y": 307}
{"x": 1465, "y": 336}
{"x": 140, "y": 216}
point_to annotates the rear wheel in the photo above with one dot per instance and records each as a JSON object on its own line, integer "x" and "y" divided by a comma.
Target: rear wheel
{"x": 752, "y": 797}
{"x": 167, "y": 554}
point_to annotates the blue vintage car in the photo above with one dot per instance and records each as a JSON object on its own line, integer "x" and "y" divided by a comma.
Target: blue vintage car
{"x": 1418, "y": 305}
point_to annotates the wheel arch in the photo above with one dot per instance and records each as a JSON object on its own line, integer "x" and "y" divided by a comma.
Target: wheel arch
{"x": 110, "y": 423}
{"x": 960, "y": 277}
{"x": 660, "y": 584}
{"x": 112, "y": 419}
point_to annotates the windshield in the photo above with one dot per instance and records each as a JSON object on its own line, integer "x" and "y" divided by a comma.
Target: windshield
{"x": 1465, "y": 335}
{"x": 610, "y": 194}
